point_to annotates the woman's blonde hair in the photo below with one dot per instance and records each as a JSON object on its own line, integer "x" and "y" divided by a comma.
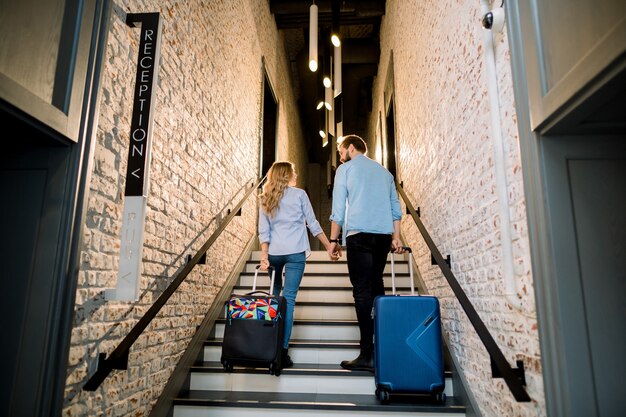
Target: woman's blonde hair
{"x": 278, "y": 178}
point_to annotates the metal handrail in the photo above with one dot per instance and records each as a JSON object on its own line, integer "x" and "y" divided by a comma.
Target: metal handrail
{"x": 514, "y": 378}
{"x": 118, "y": 359}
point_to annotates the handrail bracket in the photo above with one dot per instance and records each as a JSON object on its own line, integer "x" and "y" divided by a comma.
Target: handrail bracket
{"x": 519, "y": 371}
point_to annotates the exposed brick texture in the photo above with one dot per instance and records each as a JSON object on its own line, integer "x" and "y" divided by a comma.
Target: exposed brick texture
{"x": 445, "y": 157}
{"x": 205, "y": 151}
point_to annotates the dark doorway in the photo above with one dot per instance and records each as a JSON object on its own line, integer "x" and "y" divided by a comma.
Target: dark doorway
{"x": 390, "y": 143}
{"x": 270, "y": 120}
{"x": 34, "y": 225}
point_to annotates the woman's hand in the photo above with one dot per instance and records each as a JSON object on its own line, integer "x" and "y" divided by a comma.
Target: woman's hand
{"x": 264, "y": 264}
{"x": 334, "y": 251}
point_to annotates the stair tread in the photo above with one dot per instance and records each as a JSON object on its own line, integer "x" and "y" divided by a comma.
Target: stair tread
{"x": 210, "y": 375}
{"x": 332, "y": 274}
{"x": 320, "y": 261}
{"x": 333, "y": 322}
{"x": 321, "y": 344}
{"x": 312, "y": 288}
{"x": 297, "y": 369}
{"x": 318, "y": 401}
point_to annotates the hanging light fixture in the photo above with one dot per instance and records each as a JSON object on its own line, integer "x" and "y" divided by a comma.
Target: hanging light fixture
{"x": 322, "y": 125}
{"x": 320, "y": 92}
{"x": 328, "y": 98}
{"x": 339, "y": 117}
{"x": 337, "y": 70}
{"x": 327, "y": 80}
{"x": 327, "y": 64}
{"x": 334, "y": 34}
{"x": 313, "y": 37}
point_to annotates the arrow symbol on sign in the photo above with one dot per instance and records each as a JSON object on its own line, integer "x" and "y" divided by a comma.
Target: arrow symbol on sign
{"x": 135, "y": 172}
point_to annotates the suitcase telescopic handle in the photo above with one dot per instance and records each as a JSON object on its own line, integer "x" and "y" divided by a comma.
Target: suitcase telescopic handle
{"x": 256, "y": 274}
{"x": 393, "y": 272}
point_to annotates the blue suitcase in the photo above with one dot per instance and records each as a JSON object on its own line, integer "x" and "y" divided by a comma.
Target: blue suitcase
{"x": 408, "y": 350}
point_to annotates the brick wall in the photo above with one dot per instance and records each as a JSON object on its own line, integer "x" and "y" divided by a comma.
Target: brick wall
{"x": 205, "y": 150}
{"x": 445, "y": 156}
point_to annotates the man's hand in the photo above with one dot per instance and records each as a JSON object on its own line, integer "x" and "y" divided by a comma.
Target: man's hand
{"x": 396, "y": 246}
{"x": 334, "y": 251}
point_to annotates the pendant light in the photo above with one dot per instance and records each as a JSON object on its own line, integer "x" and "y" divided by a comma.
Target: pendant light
{"x": 334, "y": 34}
{"x": 313, "y": 37}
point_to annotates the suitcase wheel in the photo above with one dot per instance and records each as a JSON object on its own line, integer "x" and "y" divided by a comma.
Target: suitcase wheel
{"x": 440, "y": 397}
{"x": 274, "y": 370}
{"x": 382, "y": 395}
{"x": 228, "y": 367}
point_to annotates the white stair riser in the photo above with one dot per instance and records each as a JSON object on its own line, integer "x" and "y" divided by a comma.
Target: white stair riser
{"x": 192, "y": 411}
{"x": 313, "y": 332}
{"x": 322, "y": 312}
{"x": 324, "y": 281}
{"x": 315, "y": 384}
{"x": 299, "y": 355}
{"x": 285, "y": 383}
{"x": 332, "y": 268}
{"x": 318, "y": 296}
{"x": 331, "y": 312}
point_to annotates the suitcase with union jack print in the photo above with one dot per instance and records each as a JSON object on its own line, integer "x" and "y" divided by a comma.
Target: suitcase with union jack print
{"x": 253, "y": 333}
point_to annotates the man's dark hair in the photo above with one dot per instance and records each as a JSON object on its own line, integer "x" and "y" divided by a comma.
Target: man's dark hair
{"x": 356, "y": 141}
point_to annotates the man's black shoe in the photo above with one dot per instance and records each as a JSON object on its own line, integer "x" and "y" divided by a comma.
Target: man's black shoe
{"x": 363, "y": 362}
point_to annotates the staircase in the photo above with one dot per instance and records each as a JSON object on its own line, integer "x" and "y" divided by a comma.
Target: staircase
{"x": 325, "y": 332}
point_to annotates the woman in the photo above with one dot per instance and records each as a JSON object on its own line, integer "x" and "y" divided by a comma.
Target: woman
{"x": 284, "y": 214}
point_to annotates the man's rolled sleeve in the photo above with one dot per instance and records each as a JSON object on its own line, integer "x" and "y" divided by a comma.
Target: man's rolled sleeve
{"x": 396, "y": 208}
{"x": 340, "y": 193}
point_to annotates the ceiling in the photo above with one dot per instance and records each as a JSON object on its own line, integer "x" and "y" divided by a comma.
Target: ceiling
{"x": 359, "y": 22}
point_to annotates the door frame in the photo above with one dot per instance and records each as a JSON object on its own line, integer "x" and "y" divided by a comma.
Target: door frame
{"x": 66, "y": 128}
{"x": 529, "y": 90}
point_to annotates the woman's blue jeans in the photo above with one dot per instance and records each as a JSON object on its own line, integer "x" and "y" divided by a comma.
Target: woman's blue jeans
{"x": 293, "y": 264}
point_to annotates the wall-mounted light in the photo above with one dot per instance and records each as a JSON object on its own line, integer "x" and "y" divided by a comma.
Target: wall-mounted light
{"x": 494, "y": 20}
{"x": 313, "y": 37}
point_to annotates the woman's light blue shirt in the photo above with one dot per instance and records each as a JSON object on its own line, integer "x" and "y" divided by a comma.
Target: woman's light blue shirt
{"x": 286, "y": 232}
{"x": 365, "y": 197}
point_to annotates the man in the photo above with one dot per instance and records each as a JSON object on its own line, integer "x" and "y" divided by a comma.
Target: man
{"x": 366, "y": 207}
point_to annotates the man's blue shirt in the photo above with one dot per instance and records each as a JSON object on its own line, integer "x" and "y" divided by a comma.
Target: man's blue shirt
{"x": 365, "y": 197}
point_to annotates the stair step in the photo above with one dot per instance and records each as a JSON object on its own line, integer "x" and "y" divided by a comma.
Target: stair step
{"x": 307, "y": 378}
{"x": 325, "y": 332}
{"x": 323, "y": 294}
{"x": 313, "y": 329}
{"x": 332, "y": 267}
{"x": 319, "y": 255}
{"x": 301, "y": 351}
{"x": 326, "y": 279}
{"x": 269, "y": 404}
{"x": 321, "y": 311}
